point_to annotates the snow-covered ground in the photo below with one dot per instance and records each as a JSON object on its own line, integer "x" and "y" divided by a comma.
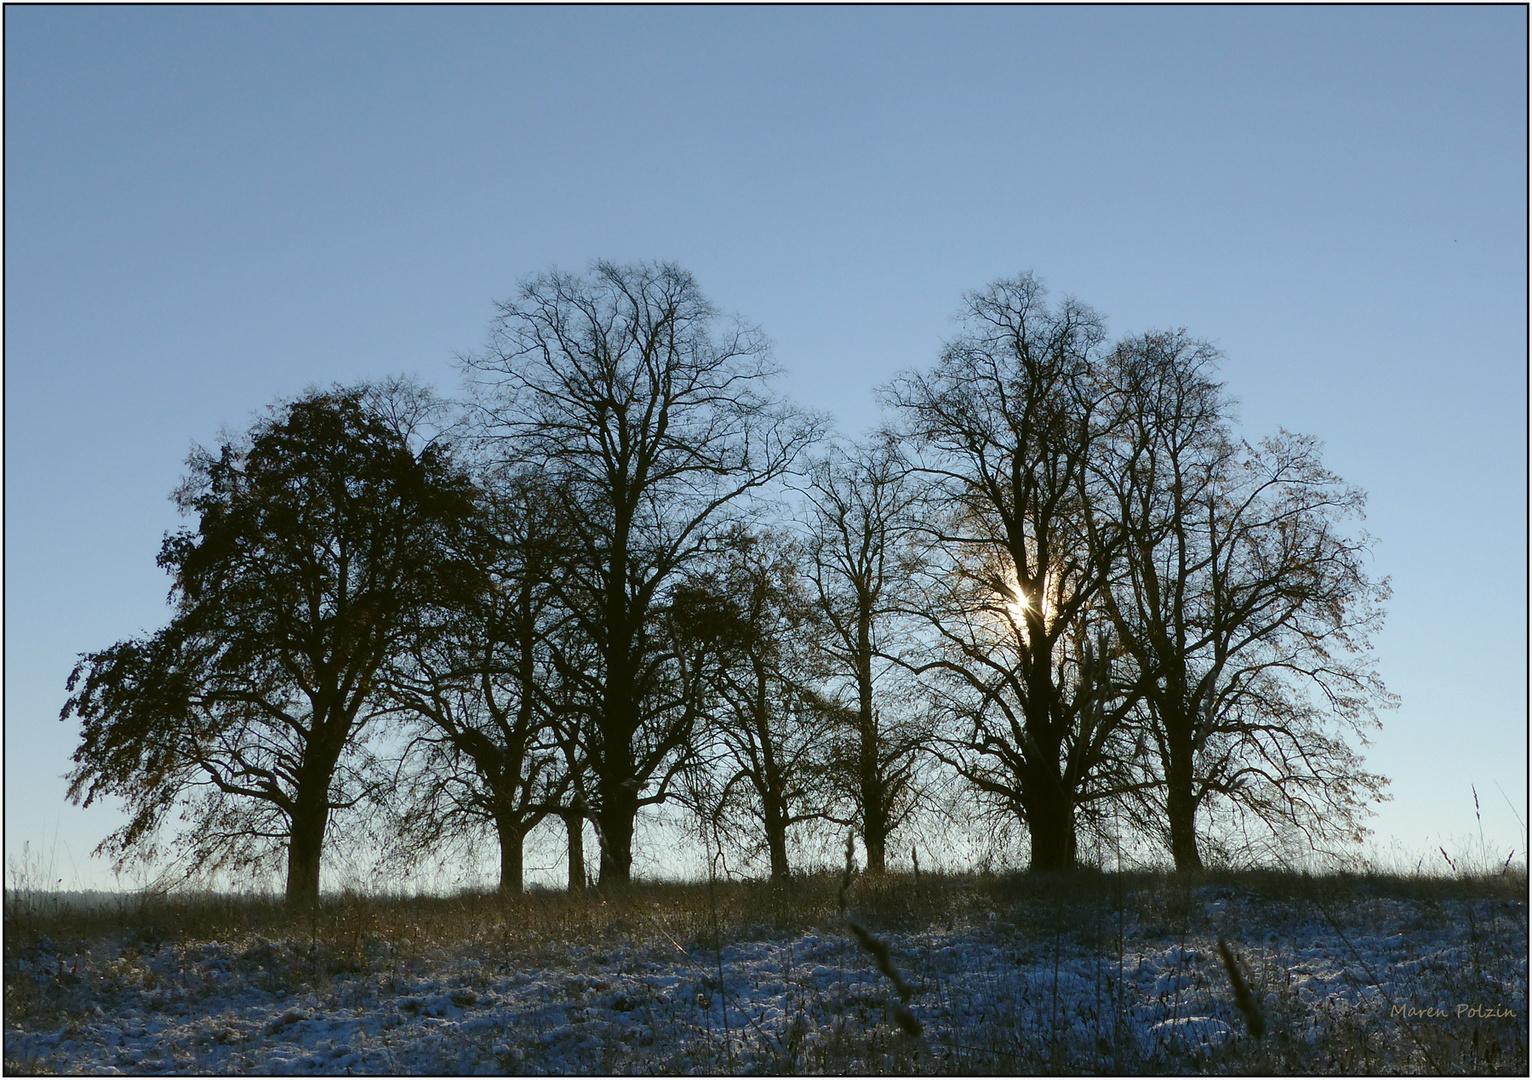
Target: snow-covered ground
{"x": 1136, "y": 985}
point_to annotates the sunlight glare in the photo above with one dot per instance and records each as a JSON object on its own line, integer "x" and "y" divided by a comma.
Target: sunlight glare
{"x": 1016, "y": 602}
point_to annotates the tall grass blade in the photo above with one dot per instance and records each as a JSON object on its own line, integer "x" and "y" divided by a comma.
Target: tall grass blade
{"x": 1255, "y": 1022}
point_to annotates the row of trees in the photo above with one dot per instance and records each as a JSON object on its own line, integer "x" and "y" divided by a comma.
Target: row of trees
{"x": 626, "y": 572}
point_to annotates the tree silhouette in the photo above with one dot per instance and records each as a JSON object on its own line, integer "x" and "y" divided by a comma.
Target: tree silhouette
{"x": 1240, "y": 600}
{"x": 656, "y": 417}
{"x": 768, "y": 746}
{"x": 1003, "y": 430}
{"x": 321, "y": 539}
{"x": 860, "y": 561}
{"x": 483, "y": 677}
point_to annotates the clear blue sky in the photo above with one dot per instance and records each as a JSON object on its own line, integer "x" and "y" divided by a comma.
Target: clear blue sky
{"x": 206, "y": 208}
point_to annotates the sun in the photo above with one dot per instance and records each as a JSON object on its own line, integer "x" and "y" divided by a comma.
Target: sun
{"x": 1012, "y": 598}
{"x": 1018, "y": 605}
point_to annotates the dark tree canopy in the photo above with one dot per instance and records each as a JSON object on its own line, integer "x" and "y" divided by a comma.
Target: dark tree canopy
{"x": 320, "y": 541}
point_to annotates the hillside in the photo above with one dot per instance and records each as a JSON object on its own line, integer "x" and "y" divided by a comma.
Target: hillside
{"x": 1085, "y": 973}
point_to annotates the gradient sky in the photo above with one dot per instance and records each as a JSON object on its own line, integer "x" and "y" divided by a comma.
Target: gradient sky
{"x": 207, "y": 208}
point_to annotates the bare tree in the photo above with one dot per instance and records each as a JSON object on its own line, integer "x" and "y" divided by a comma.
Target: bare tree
{"x": 483, "y": 679}
{"x": 572, "y": 654}
{"x": 1241, "y": 601}
{"x": 771, "y": 730}
{"x": 1003, "y": 428}
{"x": 657, "y": 417}
{"x": 860, "y": 560}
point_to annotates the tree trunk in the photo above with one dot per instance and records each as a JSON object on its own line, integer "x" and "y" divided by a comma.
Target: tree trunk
{"x": 776, "y": 841}
{"x": 874, "y": 806}
{"x": 615, "y": 822}
{"x": 875, "y": 837}
{"x": 1050, "y": 810}
{"x": 1047, "y": 798}
{"x": 512, "y": 840}
{"x": 310, "y": 815}
{"x": 875, "y": 840}
{"x": 616, "y": 850}
{"x": 1052, "y": 825}
{"x": 1180, "y": 805}
{"x": 1183, "y": 831}
{"x": 574, "y": 824}
{"x": 617, "y": 770}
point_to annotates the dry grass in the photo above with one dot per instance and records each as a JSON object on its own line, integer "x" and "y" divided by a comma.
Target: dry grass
{"x": 1030, "y": 1012}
